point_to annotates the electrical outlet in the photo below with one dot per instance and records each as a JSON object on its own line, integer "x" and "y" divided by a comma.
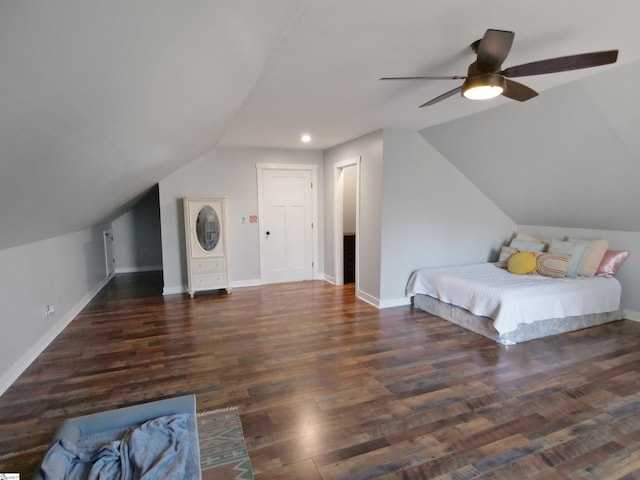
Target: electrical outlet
{"x": 50, "y": 311}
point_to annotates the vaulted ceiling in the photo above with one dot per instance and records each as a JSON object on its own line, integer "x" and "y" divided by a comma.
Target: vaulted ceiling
{"x": 569, "y": 160}
{"x": 101, "y": 100}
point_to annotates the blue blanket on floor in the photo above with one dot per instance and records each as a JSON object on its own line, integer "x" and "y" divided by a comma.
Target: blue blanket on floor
{"x": 158, "y": 449}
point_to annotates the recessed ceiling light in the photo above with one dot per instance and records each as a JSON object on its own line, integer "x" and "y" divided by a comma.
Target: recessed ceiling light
{"x": 306, "y": 138}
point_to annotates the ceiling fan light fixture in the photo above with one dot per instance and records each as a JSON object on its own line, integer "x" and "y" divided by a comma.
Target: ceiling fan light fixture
{"x": 483, "y": 87}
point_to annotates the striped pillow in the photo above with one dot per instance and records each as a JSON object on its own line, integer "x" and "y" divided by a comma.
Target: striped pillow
{"x": 505, "y": 254}
{"x": 553, "y": 264}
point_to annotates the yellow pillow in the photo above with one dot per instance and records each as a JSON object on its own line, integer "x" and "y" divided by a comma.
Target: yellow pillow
{"x": 522, "y": 263}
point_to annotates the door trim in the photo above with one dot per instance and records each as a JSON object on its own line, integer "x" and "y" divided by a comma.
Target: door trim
{"x": 260, "y": 168}
{"x": 338, "y": 233}
{"x": 109, "y": 254}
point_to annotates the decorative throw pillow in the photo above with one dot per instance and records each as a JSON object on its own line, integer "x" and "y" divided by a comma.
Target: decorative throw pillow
{"x": 522, "y": 263}
{"x": 529, "y": 238}
{"x": 552, "y": 264}
{"x": 576, "y": 250}
{"x": 611, "y": 262}
{"x": 523, "y": 245}
{"x": 505, "y": 254}
{"x": 593, "y": 257}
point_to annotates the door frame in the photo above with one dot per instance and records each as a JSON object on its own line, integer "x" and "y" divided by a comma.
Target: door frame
{"x": 338, "y": 233}
{"x": 109, "y": 260}
{"x": 313, "y": 169}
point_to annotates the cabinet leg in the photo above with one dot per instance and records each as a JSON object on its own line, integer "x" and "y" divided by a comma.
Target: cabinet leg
{"x": 228, "y": 290}
{"x": 191, "y": 293}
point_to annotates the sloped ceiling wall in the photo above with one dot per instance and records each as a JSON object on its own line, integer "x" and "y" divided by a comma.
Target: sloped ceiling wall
{"x": 99, "y": 100}
{"x": 568, "y": 158}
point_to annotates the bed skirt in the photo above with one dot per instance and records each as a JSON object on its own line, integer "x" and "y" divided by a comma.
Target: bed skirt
{"x": 524, "y": 332}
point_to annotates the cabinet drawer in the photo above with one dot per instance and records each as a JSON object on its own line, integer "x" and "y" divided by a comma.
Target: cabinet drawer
{"x": 208, "y": 266}
{"x": 214, "y": 280}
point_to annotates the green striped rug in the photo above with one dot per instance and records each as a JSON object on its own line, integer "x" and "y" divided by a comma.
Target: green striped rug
{"x": 223, "y": 452}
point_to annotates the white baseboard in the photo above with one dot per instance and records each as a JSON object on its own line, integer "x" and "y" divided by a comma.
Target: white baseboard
{"x": 631, "y": 315}
{"x": 330, "y": 279}
{"x": 174, "y": 290}
{"x": 28, "y": 357}
{"x": 395, "y": 302}
{"x": 247, "y": 283}
{"x": 151, "y": 268}
{"x": 376, "y": 302}
{"x": 370, "y": 299}
{"x": 239, "y": 284}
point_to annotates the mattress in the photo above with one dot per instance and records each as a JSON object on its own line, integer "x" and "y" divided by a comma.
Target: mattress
{"x": 511, "y": 301}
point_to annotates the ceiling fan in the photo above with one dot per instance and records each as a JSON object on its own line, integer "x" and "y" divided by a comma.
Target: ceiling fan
{"x": 485, "y": 78}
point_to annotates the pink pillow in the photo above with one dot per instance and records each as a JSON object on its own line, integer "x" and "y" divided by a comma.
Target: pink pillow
{"x": 611, "y": 263}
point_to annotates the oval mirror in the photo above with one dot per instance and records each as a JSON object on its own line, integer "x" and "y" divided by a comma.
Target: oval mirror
{"x": 208, "y": 228}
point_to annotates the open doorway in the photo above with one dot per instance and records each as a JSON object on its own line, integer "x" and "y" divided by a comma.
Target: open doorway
{"x": 346, "y": 217}
{"x": 109, "y": 258}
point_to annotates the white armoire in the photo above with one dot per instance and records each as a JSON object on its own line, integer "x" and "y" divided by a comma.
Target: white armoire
{"x": 206, "y": 244}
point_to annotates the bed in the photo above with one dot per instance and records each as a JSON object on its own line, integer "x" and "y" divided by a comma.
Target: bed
{"x": 511, "y": 308}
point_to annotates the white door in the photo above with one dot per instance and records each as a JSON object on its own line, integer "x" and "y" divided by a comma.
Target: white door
{"x": 286, "y": 224}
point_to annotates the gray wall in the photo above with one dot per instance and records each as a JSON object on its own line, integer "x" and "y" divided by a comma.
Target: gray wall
{"x": 66, "y": 272}
{"x": 137, "y": 242}
{"x": 431, "y": 215}
{"x": 416, "y": 211}
{"x": 230, "y": 172}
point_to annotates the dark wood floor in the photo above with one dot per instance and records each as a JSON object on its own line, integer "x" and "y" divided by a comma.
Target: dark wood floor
{"x": 330, "y": 387}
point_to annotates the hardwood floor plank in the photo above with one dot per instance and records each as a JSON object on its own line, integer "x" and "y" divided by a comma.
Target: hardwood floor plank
{"x": 329, "y": 387}
{"x": 624, "y": 463}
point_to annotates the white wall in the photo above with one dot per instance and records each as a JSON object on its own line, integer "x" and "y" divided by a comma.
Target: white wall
{"x": 137, "y": 242}
{"x": 66, "y": 272}
{"x": 432, "y": 215}
{"x": 369, "y": 149}
{"x": 230, "y": 172}
{"x": 618, "y": 240}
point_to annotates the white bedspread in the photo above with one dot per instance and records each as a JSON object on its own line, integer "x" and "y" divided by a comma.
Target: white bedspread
{"x": 488, "y": 291}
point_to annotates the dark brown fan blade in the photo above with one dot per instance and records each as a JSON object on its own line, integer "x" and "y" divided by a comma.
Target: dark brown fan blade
{"x": 493, "y": 49}
{"x": 518, "y": 91}
{"x": 442, "y": 97}
{"x": 562, "y": 64}
{"x": 454, "y": 77}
